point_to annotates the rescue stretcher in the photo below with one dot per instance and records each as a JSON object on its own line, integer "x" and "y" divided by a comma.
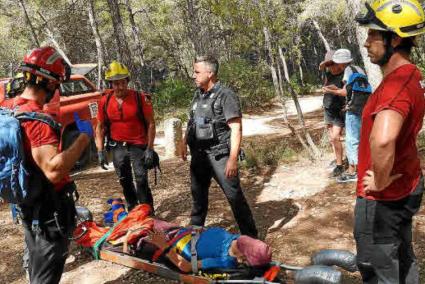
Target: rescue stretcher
{"x": 318, "y": 273}
{"x": 117, "y": 251}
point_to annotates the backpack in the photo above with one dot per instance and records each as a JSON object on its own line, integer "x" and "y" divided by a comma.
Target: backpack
{"x": 14, "y": 173}
{"x": 358, "y": 91}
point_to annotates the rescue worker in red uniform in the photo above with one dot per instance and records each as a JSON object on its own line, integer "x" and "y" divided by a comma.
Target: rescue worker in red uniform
{"x": 390, "y": 183}
{"x": 126, "y": 120}
{"x": 48, "y": 212}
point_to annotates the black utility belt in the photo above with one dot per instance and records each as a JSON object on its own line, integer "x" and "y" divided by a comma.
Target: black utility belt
{"x": 113, "y": 143}
{"x": 221, "y": 149}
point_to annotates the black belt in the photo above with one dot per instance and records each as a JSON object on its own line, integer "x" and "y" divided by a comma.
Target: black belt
{"x": 113, "y": 143}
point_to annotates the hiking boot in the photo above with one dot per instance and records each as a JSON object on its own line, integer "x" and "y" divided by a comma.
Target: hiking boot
{"x": 332, "y": 164}
{"x": 337, "y": 171}
{"x": 347, "y": 177}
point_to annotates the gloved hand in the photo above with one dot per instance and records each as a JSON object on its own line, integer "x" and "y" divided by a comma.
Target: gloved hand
{"x": 84, "y": 126}
{"x": 103, "y": 161}
{"x": 149, "y": 159}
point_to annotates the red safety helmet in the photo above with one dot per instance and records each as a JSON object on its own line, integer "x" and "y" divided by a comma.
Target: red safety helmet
{"x": 47, "y": 63}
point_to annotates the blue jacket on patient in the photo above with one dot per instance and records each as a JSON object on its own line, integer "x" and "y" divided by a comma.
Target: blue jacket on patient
{"x": 212, "y": 248}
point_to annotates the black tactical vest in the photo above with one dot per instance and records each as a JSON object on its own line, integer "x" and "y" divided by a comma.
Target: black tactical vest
{"x": 207, "y": 122}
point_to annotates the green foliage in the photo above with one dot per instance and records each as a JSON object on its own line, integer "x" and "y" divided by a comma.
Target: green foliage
{"x": 172, "y": 95}
{"x": 421, "y": 141}
{"x": 248, "y": 81}
{"x": 170, "y": 31}
{"x": 299, "y": 88}
{"x": 15, "y": 41}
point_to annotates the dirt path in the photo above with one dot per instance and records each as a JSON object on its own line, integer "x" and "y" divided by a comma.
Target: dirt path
{"x": 298, "y": 210}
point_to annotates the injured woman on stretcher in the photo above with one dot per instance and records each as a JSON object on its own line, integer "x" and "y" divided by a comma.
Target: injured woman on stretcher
{"x": 210, "y": 247}
{"x": 200, "y": 250}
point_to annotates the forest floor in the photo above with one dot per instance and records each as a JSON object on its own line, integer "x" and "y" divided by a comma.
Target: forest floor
{"x": 297, "y": 208}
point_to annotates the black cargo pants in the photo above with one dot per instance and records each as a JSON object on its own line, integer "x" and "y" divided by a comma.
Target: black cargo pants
{"x": 205, "y": 166}
{"x": 128, "y": 159}
{"x": 383, "y": 234}
{"x": 47, "y": 248}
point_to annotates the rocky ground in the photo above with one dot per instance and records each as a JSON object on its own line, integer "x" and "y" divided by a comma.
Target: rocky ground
{"x": 298, "y": 211}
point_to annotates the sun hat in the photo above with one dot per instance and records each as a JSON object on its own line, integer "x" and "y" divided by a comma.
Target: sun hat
{"x": 342, "y": 56}
{"x": 327, "y": 60}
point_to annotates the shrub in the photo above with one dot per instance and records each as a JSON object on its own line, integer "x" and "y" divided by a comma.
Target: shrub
{"x": 259, "y": 154}
{"x": 172, "y": 95}
{"x": 301, "y": 89}
{"x": 250, "y": 82}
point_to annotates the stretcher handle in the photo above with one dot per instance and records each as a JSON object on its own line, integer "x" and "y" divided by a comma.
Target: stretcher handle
{"x": 289, "y": 267}
{"x": 286, "y": 266}
{"x": 245, "y": 281}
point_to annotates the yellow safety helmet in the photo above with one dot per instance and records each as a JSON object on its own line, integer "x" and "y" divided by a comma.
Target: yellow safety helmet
{"x": 403, "y": 17}
{"x": 16, "y": 85}
{"x": 116, "y": 71}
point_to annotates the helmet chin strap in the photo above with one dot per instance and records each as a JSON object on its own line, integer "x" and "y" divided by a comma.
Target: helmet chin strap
{"x": 49, "y": 95}
{"x": 49, "y": 92}
{"x": 389, "y": 50}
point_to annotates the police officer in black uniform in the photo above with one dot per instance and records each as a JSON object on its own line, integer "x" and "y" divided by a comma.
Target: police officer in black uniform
{"x": 214, "y": 136}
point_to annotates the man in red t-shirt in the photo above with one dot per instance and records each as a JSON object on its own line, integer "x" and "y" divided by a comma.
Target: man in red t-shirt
{"x": 390, "y": 183}
{"x": 48, "y": 212}
{"x": 126, "y": 119}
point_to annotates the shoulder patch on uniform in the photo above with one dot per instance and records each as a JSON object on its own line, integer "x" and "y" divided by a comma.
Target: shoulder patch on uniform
{"x": 422, "y": 83}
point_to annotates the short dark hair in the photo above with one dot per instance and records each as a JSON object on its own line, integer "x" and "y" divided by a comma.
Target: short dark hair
{"x": 406, "y": 45}
{"x": 35, "y": 82}
{"x": 209, "y": 60}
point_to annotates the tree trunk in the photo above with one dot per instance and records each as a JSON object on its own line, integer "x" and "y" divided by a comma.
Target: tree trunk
{"x": 271, "y": 61}
{"x": 301, "y": 74}
{"x": 135, "y": 31}
{"x": 285, "y": 66}
{"x": 34, "y": 35}
{"x": 124, "y": 53}
{"x": 280, "y": 80}
{"x": 193, "y": 26}
{"x": 322, "y": 37}
{"x": 312, "y": 146}
{"x": 99, "y": 43}
{"x": 279, "y": 94}
{"x": 373, "y": 71}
